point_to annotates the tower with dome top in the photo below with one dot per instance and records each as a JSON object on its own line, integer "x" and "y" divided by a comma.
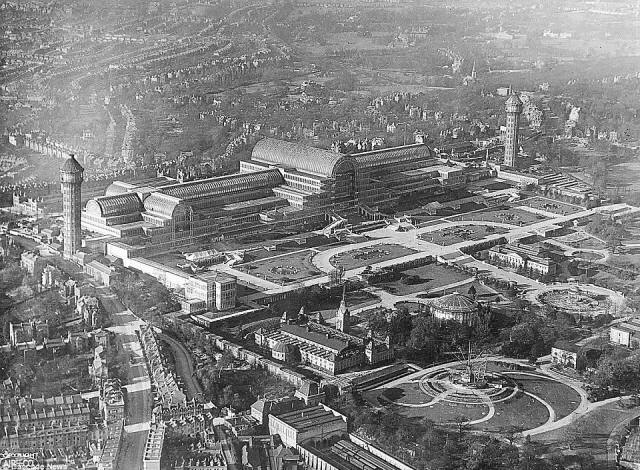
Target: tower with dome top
{"x": 513, "y": 106}
{"x": 71, "y": 186}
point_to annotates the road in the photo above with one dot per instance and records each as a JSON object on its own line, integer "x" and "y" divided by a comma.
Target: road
{"x": 139, "y": 400}
{"x": 184, "y": 366}
{"x": 227, "y": 449}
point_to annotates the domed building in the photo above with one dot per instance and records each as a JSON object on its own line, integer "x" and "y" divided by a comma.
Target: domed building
{"x": 284, "y": 352}
{"x": 455, "y": 307}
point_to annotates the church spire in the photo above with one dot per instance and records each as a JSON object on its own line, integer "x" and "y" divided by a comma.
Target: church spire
{"x": 343, "y": 316}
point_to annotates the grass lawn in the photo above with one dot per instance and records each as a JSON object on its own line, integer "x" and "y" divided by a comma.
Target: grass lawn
{"x": 432, "y": 275}
{"x": 521, "y": 411}
{"x": 407, "y": 393}
{"x": 412, "y": 307}
{"x": 328, "y": 305}
{"x": 590, "y": 432}
{"x": 441, "y": 412}
{"x": 504, "y": 215}
{"x": 550, "y": 205}
{"x": 590, "y": 243}
{"x": 292, "y": 267}
{"x": 355, "y": 299}
{"x": 369, "y": 255}
{"x": 580, "y": 239}
{"x": 452, "y": 235}
{"x": 562, "y": 398}
{"x": 444, "y": 412}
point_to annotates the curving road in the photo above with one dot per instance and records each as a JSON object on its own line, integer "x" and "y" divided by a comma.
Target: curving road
{"x": 184, "y": 366}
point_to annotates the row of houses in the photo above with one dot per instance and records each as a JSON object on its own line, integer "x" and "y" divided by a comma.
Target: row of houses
{"x": 567, "y": 354}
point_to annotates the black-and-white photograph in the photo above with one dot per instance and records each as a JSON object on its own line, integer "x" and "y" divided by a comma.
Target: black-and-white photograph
{"x": 320, "y": 234}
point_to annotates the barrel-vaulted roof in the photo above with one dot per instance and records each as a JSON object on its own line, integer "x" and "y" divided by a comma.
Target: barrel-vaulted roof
{"x": 115, "y": 188}
{"x": 304, "y": 158}
{"x": 389, "y": 156}
{"x": 224, "y": 184}
{"x": 109, "y": 206}
{"x": 161, "y": 204}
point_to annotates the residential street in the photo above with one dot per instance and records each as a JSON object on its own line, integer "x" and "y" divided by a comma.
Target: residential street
{"x": 138, "y": 399}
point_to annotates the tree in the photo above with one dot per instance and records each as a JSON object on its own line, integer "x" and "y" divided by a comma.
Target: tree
{"x": 461, "y": 422}
{"x": 225, "y": 361}
{"x": 400, "y": 326}
{"x": 227, "y": 395}
{"x": 10, "y": 277}
{"x": 573, "y": 435}
{"x": 376, "y": 321}
{"x": 424, "y": 339}
{"x": 491, "y": 454}
{"x": 513, "y": 433}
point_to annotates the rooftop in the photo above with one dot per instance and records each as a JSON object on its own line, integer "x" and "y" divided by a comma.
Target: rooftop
{"x": 307, "y": 418}
{"x": 566, "y": 346}
{"x": 155, "y": 439}
{"x": 304, "y": 158}
{"x": 325, "y": 340}
{"x": 630, "y": 327}
{"x": 71, "y": 165}
{"x": 455, "y": 302}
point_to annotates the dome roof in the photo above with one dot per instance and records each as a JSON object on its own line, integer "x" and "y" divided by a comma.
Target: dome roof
{"x": 283, "y": 348}
{"x": 455, "y": 303}
{"x": 71, "y": 165}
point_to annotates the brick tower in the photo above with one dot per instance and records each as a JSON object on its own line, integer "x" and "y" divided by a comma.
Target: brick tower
{"x": 513, "y": 106}
{"x": 71, "y": 185}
